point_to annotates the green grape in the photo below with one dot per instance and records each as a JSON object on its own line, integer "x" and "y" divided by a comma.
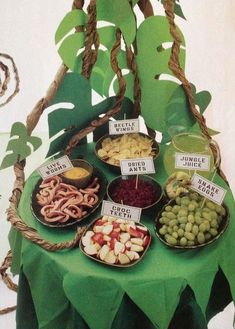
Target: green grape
{"x": 188, "y": 227}
{"x": 168, "y": 208}
{"x": 203, "y": 227}
{"x": 182, "y": 226}
{"x": 201, "y": 237}
{"x": 206, "y": 215}
{"x": 195, "y": 203}
{"x": 191, "y": 207}
{"x": 205, "y": 209}
{"x": 178, "y": 200}
{"x": 176, "y": 209}
{"x": 163, "y": 231}
{"x": 220, "y": 210}
{"x": 213, "y": 231}
{"x": 195, "y": 229}
{"x": 166, "y": 220}
{"x": 180, "y": 232}
{"x": 171, "y": 215}
{"x": 175, "y": 228}
{"x": 182, "y": 220}
{"x": 214, "y": 215}
{"x": 210, "y": 205}
{"x": 175, "y": 235}
{"x": 161, "y": 220}
{"x": 189, "y": 236}
{"x": 198, "y": 220}
{"x": 183, "y": 241}
{"x": 190, "y": 243}
{"x": 173, "y": 222}
{"x": 207, "y": 236}
{"x": 169, "y": 230}
{"x": 214, "y": 223}
{"x": 171, "y": 240}
{"x": 191, "y": 218}
{"x": 193, "y": 196}
{"x": 185, "y": 201}
{"x": 183, "y": 212}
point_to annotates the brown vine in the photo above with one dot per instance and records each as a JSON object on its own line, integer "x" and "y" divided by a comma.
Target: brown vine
{"x": 90, "y": 55}
{"x": 175, "y": 67}
{"x": 7, "y": 280}
{"x": 119, "y": 99}
{"x": 6, "y": 80}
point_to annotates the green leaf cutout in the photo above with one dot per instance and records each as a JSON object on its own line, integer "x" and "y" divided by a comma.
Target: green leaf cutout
{"x": 72, "y": 20}
{"x": 72, "y": 45}
{"x": 154, "y": 48}
{"x": 177, "y": 8}
{"x": 177, "y": 111}
{"x": 75, "y": 89}
{"x": 118, "y": 12}
{"x": 19, "y": 145}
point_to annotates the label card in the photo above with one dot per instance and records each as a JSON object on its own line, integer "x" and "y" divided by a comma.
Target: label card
{"x": 208, "y": 189}
{"x": 192, "y": 161}
{"x": 123, "y": 126}
{"x": 137, "y": 166}
{"x": 55, "y": 167}
{"x": 120, "y": 211}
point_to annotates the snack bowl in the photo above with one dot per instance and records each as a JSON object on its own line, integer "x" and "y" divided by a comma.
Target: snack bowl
{"x": 137, "y": 191}
{"x": 80, "y": 175}
{"x": 111, "y": 154}
{"x": 182, "y": 226}
{"x": 62, "y": 195}
{"x": 115, "y": 242}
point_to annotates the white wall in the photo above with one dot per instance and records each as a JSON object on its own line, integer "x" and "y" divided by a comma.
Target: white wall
{"x": 27, "y": 33}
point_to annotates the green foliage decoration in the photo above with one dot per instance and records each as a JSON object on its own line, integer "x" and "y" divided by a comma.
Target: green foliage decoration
{"x": 76, "y": 90}
{"x": 177, "y": 113}
{"x": 117, "y": 12}
{"x": 177, "y": 8}
{"x": 157, "y": 86}
{"x": 18, "y": 145}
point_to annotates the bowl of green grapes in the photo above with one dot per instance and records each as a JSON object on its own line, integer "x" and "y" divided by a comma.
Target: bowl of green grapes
{"x": 190, "y": 221}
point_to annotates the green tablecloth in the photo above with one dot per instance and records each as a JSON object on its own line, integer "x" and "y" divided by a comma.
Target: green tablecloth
{"x": 63, "y": 290}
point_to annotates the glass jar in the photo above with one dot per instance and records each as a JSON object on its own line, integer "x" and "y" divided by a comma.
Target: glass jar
{"x": 189, "y": 152}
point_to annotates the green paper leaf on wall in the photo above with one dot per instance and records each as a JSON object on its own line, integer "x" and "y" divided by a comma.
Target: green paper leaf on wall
{"x": 19, "y": 145}
{"x": 76, "y": 90}
{"x": 119, "y": 13}
{"x": 177, "y": 112}
{"x": 154, "y": 43}
{"x": 72, "y": 20}
{"x": 177, "y": 8}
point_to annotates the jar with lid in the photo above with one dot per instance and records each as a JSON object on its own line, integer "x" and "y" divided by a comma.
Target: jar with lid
{"x": 189, "y": 152}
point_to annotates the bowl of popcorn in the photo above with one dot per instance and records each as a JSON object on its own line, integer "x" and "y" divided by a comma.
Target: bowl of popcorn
{"x": 115, "y": 241}
{"x": 111, "y": 149}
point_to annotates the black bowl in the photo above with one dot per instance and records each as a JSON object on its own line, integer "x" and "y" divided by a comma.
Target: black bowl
{"x": 221, "y": 229}
{"x": 116, "y": 168}
{"x": 36, "y": 208}
{"x": 157, "y": 187}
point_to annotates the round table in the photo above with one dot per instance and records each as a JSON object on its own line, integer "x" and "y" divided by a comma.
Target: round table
{"x": 169, "y": 288}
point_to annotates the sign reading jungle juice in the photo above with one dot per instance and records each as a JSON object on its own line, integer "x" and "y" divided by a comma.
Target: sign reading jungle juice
{"x": 192, "y": 161}
{"x": 120, "y": 211}
{"x": 208, "y": 189}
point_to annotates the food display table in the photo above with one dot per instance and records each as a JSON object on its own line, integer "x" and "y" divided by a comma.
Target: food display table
{"x": 168, "y": 288}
